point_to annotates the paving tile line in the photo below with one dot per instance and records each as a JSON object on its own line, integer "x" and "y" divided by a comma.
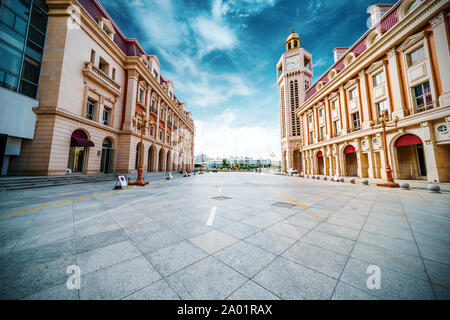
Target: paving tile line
{"x": 238, "y": 240}
{"x": 84, "y": 220}
{"x": 297, "y": 241}
{"x": 420, "y": 253}
{"x": 129, "y": 239}
{"x": 75, "y": 200}
{"x": 353, "y": 247}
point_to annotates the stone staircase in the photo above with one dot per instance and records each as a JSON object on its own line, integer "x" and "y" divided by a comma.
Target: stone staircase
{"x": 16, "y": 183}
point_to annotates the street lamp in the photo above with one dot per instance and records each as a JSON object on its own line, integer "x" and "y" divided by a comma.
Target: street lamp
{"x": 142, "y": 122}
{"x": 383, "y": 119}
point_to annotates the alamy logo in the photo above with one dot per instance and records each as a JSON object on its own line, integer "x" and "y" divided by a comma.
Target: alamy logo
{"x": 74, "y": 281}
{"x": 374, "y": 280}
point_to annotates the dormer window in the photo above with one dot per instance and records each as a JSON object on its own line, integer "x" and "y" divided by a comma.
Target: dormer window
{"x": 107, "y": 27}
{"x": 155, "y": 74}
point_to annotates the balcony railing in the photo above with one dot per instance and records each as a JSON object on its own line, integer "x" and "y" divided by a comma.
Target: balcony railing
{"x": 95, "y": 73}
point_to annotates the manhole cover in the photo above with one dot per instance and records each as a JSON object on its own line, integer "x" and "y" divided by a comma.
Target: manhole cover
{"x": 284, "y": 205}
{"x": 221, "y": 198}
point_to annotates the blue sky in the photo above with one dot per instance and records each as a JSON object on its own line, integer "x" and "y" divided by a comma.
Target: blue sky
{"x": 221, "y": 56}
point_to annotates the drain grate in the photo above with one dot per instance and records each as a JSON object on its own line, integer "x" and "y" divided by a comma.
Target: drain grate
{"x": 283, "y": 205}
{"x": 221, "y": 198}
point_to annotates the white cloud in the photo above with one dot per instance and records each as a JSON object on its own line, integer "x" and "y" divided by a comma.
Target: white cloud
{"x": 212, "y": 35}
{"x": 241, "y": 8}
{"x": 220, "y": 138}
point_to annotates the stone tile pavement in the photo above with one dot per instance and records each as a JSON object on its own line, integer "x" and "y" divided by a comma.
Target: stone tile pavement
{"x": 154, "y": 242}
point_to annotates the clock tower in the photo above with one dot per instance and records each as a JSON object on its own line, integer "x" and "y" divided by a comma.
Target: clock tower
{"x": 294, "y": 76}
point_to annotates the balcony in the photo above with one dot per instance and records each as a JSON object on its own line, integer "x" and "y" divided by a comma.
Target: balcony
{"x": 95, "y": 74}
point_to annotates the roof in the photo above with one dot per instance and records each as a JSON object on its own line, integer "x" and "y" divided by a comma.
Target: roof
{"x": 386, "y": 22}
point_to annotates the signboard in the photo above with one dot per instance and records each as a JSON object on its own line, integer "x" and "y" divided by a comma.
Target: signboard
{"x": 121, "y": 182}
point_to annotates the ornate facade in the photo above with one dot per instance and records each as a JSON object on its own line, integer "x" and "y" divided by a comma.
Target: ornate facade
{"x": 93, "y": 82}
{"x": 400, "y": 67}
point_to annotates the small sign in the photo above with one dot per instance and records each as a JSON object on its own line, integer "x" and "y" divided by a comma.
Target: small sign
{"x": 121, "y": 182}
{"x": 169, "y": 176}
{"x": 336, "y": 177}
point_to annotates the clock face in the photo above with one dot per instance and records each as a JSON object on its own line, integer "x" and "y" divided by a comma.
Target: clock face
{"x": 293, "y": 62}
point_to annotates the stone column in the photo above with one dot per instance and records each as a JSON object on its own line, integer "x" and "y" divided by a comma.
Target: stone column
{"x": 130, "y": 107}
{"x": 343, "y": 110}
{"x": 441, "y": 43}
{"x": 371, "y": 162}
{"x": 303, "y": 163}
{"x": 382, "y": 160}
{"x": 316, "y": 124}
{"x": 397, "y": 100}
{"x": 428, "y": 149}
{"x": 364, "y": 100}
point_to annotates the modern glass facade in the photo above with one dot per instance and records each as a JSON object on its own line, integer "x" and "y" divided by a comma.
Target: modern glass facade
{"x": 23, "y": 27}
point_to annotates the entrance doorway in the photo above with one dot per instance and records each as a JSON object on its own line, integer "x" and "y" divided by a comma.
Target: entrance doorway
{"x": 410, "y": 157}
{"x": 351, "y": 163}
{"x": 320, "y": 163}
{"x": 107, "y": 156}
{"x": 79, "y": 147}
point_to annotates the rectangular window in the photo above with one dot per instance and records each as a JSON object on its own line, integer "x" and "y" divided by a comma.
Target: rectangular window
{"x": 337, "y": 127}
{"x": 321, "y": 112}
{"x": 334, "y": 104}
{"x": 422, "y": 97}
{"x": 322, "y": 133}
{"x": 114, "y": 74}
{"x": 311, "y": 136}
{"x": 310, "y": 118}
{"x": 416, "y": 56}
{"x": 383, "y": 107}
{"x": 106, "y": 116}
{"x": 353, "y": 94}
{"x": 90, "y": 107}
{"x": 141, "y": 96}
{"x": 378, "y": 79}
{"x": 160, "y": 135}
{"x": 355, "y": 121}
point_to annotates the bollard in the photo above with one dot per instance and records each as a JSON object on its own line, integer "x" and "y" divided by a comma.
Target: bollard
{"x": 434, "y": 188}
{"x": 352, "y": 180}
{"x": 404, "y": 186}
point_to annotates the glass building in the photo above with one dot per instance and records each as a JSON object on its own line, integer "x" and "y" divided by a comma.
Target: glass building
{"x": 23, "y": 27}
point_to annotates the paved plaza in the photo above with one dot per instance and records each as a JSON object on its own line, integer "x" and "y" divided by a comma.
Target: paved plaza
{"x": 225, "y": 236}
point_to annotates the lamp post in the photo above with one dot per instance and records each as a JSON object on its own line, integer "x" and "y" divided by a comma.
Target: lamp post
{"x": 390, "y": 183}
{"x": 141, "y": 121}
{"x": 272, "y": 156}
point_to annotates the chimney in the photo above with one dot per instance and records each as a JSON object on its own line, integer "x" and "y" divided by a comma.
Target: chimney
{"x": 377, "y": 11}
{"x": 338, "y": 53}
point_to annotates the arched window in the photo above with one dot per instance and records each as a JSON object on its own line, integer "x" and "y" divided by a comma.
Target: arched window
{"x": 289, "y": 46}
{"x": 295, "y": 44}
{"x": 372, "y": 37}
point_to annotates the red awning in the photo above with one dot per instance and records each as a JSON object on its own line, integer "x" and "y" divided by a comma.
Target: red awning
{"x": 349, "y": 149}
{"x": 80, "y": 139}
{"x": 408, "y": 140}
{"x": 320, "y": 154}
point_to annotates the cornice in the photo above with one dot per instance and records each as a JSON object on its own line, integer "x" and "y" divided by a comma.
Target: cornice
{"x": 390, "y": 38}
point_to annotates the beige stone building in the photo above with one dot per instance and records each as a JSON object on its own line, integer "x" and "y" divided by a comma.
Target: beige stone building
{"x": 93, "y": 81}
{"x": 400, "y": 66}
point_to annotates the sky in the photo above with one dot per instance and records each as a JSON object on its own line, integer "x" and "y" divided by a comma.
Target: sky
{"x": 221, "y": 56}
